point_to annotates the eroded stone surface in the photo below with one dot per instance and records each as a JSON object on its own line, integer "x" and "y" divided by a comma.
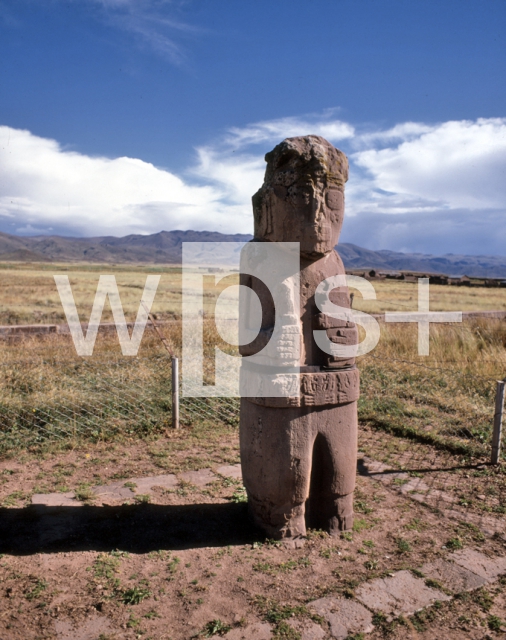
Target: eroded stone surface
{"x": 114, "y": 491}
{"x": 391, "y": 477}
{"x": 90, "y": 630}
{"x": 199, "y": 478}
{"x": 415, "y": 488}
{"x": 308, "y": 629}
{"x": 56, "y": 499}
{"x": 452, "y": 576}
{"x": 145, "y": 485}
{"x": 257, "y": 631}
{"x": 480, "y": 564}
{"x": 400, "y": 594}
{"x": 382, "y": 472}
{"x": 436, "y": 496}
{"x": 488, "y": 525}
{"x": 230, "y": 471}
{"x": 368, "y": 466}
{"x": 415, "y": 484}
{"x": 344, "y": 616}
{"x": 419, "y": 497}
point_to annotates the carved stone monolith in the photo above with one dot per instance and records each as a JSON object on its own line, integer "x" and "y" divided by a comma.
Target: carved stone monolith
{"x": 298, "y": 453}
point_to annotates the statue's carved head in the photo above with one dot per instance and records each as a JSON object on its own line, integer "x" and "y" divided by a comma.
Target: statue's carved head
{"x": 302, "y": 197}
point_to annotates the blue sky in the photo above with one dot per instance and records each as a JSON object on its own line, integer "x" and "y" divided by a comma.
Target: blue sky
{"x": 133, "y": 116}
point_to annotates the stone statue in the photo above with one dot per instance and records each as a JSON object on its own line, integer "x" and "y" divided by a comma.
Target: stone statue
{"x": 299, "y": 454}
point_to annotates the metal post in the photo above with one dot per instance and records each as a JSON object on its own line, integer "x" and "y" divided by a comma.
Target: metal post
{"x": 175, "y": 392}
{"x": 497, "y": 435}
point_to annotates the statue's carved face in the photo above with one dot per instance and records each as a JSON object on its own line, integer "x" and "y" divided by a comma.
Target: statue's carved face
{"x": 308, "y": 213}
{"x": 302, "y": 198}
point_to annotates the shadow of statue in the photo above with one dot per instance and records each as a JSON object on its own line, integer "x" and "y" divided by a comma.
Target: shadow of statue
{"x": 134, "y": 528}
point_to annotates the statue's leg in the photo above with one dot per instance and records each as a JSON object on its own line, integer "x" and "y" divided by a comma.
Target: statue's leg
{"x": 330, "y": 505}
{"x": 276, "y": 445}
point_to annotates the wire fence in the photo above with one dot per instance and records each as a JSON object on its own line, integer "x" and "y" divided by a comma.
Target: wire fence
{"x": 447, "y": 408}
{"x": 43, "y": 401}
{"x": 95, "y": 399}
{"x": 47, "y": 400}
{"x": 55, "y": 396}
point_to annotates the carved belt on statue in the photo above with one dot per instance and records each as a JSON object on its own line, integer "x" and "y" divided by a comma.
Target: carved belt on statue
{"x": 304, "y": 389}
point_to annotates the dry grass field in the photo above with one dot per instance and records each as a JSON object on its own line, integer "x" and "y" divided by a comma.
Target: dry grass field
{"x": 28, "y": 294}
{"x": 395, "y": 295}
{"x": 50, "y": 395}
{"x": 55, "y": 396}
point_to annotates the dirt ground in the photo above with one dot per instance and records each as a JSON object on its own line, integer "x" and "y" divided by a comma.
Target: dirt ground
{"x": 187, "y": 562}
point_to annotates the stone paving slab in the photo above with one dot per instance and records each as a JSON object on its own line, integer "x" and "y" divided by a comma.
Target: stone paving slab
{"x": 389, "y": 478}
{"x": 368, "y": 466}
{"x": 90, "y": 630}
{"x": 379, "y": 471}
{"x": 482, "y": 565}
{"x": 436, "y": 496}
{"x": 418, "y": 490}
{"x": 114, "y": 491}
{"x": 230, "y": 471}
{"x": 415, "y": 484}
{"x": 257, "y": 631}
{"x": 199, "y": 478}
{"x": 344, "y": 616}
{"x": 402, "y": 594}
{"x": 387, "y": 475}
{"x": 146, "y": 485}
{"x": 56, "y": 500}
{"x": 419, "y": 497}
{"x": 307, "y": 629}
{"x": 452, "y": 576}
{"x": 488, "y": 525}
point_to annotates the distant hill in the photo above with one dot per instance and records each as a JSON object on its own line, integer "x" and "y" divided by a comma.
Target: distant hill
{"x": 165, "y": 247}
{"x": 159, "y": 248}
{"x": 451, "y": 264}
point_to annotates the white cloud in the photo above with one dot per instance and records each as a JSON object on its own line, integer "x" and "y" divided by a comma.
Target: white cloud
{"x": 274, "y": 131}
{"x": 459, "y": 164}
{"x": 403, "y": 131}
{"x": 237, "y": 176}
{"x": 43, "y": 185}
{"x": 401, "y": 180}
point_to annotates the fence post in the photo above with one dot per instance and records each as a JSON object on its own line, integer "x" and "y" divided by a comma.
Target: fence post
{"x": 497, "y": 435}
{"x": 175, "y": 392}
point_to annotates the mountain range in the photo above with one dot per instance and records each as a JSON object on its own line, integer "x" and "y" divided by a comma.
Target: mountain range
{"x": 165, "y": 247}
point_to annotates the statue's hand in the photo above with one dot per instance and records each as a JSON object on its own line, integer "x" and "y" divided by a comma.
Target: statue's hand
{"x": 284, "y": 346}
{"x": 343, "y": 335}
